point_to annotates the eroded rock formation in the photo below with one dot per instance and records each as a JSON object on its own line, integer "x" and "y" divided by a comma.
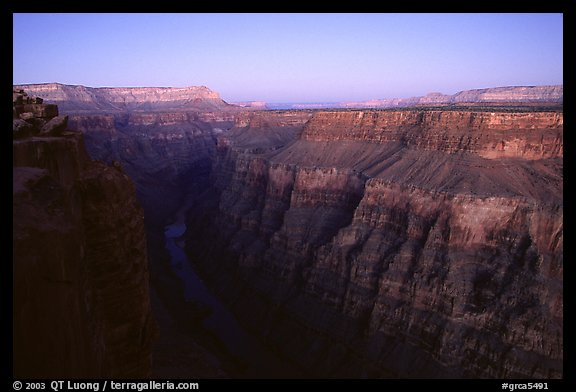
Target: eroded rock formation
{"x": 81, "y": 303}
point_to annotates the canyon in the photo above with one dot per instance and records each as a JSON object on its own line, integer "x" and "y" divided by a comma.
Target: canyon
{"x": 420, "y": 242}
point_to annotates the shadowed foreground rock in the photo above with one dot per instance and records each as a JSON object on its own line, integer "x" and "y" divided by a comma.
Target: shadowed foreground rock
{"x": 81, "y": 304}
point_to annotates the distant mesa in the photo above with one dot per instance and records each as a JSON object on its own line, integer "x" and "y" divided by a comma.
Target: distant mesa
{"x": 496, "y": 95}
{"x": 81, "y": 99}
{"x": 516, "y": 95}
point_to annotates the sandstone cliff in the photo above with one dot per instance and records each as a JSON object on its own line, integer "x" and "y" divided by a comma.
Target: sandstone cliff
{"x": 80, "y": 273}
{"x": 394, "y": 244}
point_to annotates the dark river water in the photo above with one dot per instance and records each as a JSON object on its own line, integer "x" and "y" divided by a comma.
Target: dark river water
{"x": 259, "y": 361}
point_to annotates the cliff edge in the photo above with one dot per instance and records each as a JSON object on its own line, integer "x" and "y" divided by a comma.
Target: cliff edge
{"x": 80, "y": 274}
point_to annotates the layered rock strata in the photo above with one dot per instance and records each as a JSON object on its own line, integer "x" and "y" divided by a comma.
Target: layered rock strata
{"x": 527, "y": 96}
{"x": 71, "y": 98}
{"x": 394, "y": 244}
{"x": 513, "y": 95}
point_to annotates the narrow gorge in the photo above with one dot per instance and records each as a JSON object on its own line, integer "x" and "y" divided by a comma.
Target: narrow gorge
{"x": 399, "y": 243}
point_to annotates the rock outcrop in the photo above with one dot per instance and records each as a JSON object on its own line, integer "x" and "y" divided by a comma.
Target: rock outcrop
{"x": 394, "y": 244}
{"x": 30, "y": 115}
{"x": 81, "y": 306}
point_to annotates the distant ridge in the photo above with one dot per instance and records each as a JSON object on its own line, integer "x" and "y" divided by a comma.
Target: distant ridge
{"x": 81, "y": 99}
{"x": 76, "y": 98}
{"x": 553, "y": 94}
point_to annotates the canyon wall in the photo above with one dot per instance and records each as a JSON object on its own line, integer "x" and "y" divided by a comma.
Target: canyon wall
{"x": 394, "y": 244}
{"x": 80, "y": 273}
{"x": 170, "y": 154}
{"x": 490, "y": 135}
{"x": 165, "y": 154}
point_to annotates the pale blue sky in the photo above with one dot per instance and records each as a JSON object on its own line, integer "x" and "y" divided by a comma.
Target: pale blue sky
{"x": 291, "y": 57}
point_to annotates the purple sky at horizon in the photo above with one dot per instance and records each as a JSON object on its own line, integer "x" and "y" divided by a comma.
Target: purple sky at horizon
{"x": 291, "y": 57}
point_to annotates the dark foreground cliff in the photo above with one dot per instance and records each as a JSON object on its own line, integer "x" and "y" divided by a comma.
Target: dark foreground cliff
{"x": 81, "y": 306}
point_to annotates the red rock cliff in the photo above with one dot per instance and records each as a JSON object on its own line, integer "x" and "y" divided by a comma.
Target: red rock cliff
{"x": 488, "y": 134}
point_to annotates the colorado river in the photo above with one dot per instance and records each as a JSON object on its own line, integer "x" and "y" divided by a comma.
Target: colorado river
{"x": 258, "y": 360}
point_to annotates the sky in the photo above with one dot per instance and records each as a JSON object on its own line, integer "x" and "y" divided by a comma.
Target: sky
{"x": 291, "y": 57}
